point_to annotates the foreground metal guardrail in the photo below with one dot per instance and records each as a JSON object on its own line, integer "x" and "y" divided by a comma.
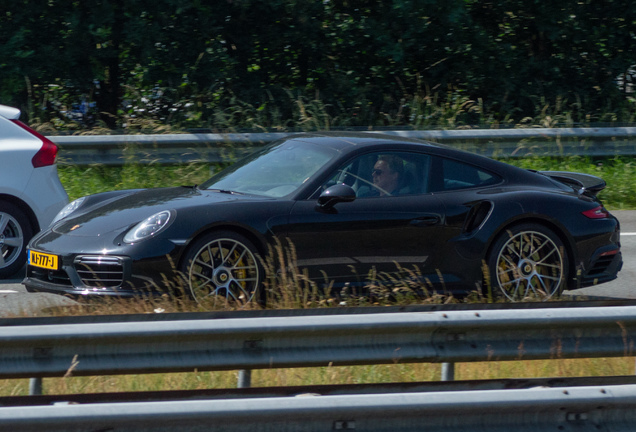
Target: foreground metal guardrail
{"x": 213, "y": 147}
{"x": 321, "y": 389}
{"x": 573, "y": 408}
{"x": 118, "y": 345}
{"x": 308, "y": 341}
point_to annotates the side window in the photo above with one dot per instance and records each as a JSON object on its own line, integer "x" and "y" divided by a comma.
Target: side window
{"x": 384, "y": 174}
{"x": 457, "y": 175}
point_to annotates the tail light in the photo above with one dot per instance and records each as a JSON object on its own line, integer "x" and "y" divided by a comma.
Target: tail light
{"x": 47, "y": 153}
{"x": 596, "y": 213}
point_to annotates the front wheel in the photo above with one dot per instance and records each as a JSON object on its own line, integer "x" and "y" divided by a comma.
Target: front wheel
{"x": 527, "y": 261}
{"x": 15, "y": 233}
{"x": 223, "y": 268}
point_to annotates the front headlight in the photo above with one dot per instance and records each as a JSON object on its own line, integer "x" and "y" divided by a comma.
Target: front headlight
{"x": 149, "y": 227}
{"x": 70, "y": 208}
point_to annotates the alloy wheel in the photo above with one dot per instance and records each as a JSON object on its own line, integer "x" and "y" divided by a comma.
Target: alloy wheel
{"x": 529, "y": 264}
{"x": 224, "y": 269}
{"x": 11, "y": 240}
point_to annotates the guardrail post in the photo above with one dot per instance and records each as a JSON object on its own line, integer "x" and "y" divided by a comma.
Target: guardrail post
{"x": 245, "y": 378}
{"x": 35, "y": 386}
{"x": 448, "y": 371}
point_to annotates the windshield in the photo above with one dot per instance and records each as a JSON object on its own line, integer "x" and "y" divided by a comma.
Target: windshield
{"x": 274, "y": 171}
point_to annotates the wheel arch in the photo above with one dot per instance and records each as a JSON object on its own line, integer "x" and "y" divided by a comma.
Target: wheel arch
{"x": 558, "y": 230}
{"x": 256, "y": 239}
{"x": 24, "y": 207}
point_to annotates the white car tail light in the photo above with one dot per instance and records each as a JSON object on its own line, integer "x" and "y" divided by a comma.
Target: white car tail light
{"x": 47, "y": 153}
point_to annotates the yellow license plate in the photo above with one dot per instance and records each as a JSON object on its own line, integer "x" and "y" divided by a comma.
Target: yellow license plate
{"x": 39, "y": 259}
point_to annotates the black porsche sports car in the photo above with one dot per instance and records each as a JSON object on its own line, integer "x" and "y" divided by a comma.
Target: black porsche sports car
{"x": 350, "y": 204}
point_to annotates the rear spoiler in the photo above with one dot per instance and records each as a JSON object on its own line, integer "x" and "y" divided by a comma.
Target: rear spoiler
{"x": 579, "y": 181}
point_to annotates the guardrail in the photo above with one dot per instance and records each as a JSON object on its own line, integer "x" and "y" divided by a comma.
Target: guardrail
{"x": 214, "y": 147}
{"x": 180, "y": 343}
{"x": 570, "y": 409}
{"x": 310, "y": 341}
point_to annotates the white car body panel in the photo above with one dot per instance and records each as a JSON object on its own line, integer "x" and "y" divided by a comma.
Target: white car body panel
{"x": 45, "y": 194}
{"x": 39, "y": 188}
{"x": 9, "y": 112}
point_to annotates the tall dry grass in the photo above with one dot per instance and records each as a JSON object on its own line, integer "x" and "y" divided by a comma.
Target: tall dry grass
{"x": 289, "y": 287}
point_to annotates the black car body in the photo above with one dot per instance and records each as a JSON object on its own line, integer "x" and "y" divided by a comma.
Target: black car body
{"x": 456, "y": 215}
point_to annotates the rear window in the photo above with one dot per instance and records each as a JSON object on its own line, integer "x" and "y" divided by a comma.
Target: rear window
{"x": 457, "y": 175}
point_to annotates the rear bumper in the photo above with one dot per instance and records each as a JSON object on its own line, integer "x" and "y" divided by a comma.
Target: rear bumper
{"x": 604, "y": 267}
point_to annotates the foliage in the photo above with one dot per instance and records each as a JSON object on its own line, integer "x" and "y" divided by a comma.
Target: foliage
{"x": 257, "y": 64}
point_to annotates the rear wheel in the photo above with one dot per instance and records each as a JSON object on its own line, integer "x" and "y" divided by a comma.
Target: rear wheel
{"x": 15, "y": 233}
{"x": 223, "y": 268}
{"x": 527, "y": 261}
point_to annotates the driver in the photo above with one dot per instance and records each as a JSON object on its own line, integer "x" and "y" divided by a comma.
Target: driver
{"x": 387, "y": 176}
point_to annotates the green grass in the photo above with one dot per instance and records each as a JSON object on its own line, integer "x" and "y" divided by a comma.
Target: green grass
{"x": 86, "y": 180}
{"x": 619, "y": 172}
{"x": 407, "y": 372}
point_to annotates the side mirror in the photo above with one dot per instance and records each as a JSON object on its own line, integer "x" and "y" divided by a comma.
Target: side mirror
{"x": 334, "y": 195}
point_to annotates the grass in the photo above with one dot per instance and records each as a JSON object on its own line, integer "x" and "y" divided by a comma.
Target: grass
{"x": 619, "y": 172}
{"x": 328, "y": 375}
{"x": 85, "y": 180}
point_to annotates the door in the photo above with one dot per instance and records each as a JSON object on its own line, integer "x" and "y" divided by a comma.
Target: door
{"x": 376, "y": 233}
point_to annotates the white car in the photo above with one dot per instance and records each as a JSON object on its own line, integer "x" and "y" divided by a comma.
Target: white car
{"x": 30, "y": 190}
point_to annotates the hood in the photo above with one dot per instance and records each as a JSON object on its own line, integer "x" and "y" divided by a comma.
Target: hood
{"x": 124, "y": 210}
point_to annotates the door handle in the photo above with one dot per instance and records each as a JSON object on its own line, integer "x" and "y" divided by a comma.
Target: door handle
{"x": 425, "y": 221}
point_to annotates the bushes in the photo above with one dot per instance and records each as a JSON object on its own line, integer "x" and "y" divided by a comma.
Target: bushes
{"x": 251, "y": 63}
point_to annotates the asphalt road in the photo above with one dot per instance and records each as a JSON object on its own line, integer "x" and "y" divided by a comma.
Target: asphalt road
{"x": 15, "y": 301}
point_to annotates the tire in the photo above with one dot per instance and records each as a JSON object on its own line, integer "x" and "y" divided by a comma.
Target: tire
{"x": 15, "y": 234}
{"x": 527, "y": 261}
{"x": 223, "y": 268}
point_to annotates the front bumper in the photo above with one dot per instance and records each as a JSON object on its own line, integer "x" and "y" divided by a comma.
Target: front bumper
{"x": 106, "y": 276}
{"x": 37, "y": 285}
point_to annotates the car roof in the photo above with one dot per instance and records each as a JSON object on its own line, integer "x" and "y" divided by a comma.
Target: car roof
{"x": 350, "y": 142}
{"x": 347, "y": 140}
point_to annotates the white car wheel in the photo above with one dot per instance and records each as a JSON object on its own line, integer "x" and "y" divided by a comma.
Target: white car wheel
{"x": 15, "y": 233}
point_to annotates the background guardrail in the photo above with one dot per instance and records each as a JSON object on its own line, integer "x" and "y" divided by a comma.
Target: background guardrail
{"x": 228, "y": 341}
{"x": 215, "y": 147}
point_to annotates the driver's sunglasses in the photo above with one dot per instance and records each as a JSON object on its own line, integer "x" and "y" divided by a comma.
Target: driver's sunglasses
{"x": 377, "y": 172}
